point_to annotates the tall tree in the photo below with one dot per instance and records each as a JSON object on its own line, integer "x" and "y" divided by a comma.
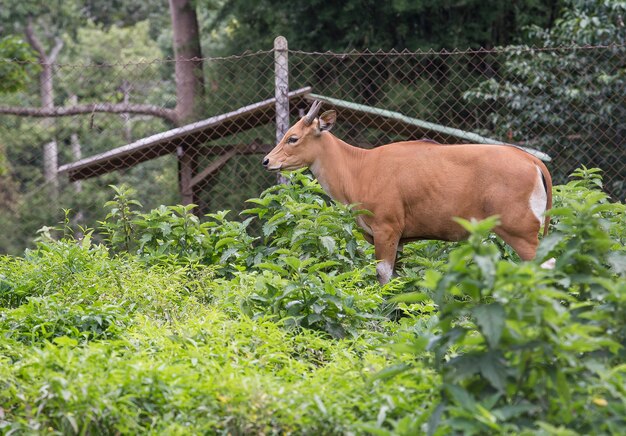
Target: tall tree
{"x": 188, "y": 74}
{"x": 188, "y": 54}
{"x": 42, "y": 26}
{"x": 189, "y": 79}
{"x": 189, "y": 83}
{"x": 47, "y": 58}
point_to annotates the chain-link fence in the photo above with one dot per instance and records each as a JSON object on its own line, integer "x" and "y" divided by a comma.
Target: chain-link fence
{"x": 568, "y": 102}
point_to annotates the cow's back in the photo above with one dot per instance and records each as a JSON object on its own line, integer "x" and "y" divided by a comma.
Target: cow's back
{"x": 421, "y": 186}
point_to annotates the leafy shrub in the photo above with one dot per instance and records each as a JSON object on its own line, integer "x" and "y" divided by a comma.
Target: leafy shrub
{"x": 312, "y": 268}
{"x": 118, "y": 225}
{"x": 45, "y": 270}
{"x": 296, "y": 219}
{"x": 51, "y": 318}
{"x": 202, "y": 327}
{"x": 204, "y": 374}
{"x": 303, "y": 295}
{"x": 309, "y": 269}
{"x": 175, "y": 234}
{"x": 523, "y": 349}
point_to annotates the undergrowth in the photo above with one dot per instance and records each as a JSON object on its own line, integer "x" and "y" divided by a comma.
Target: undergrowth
{"x": 162, "y": 323}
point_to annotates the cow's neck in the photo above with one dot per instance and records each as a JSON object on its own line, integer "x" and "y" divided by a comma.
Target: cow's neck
{"x": 337, "y": 169}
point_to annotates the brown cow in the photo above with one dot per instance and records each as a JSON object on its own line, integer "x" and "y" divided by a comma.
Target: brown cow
{"x": 414, "y": 189}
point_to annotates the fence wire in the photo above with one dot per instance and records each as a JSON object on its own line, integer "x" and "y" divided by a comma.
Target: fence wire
{"x": 568, "y": 102}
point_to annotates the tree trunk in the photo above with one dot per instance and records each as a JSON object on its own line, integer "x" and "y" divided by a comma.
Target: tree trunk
{"x": 50, "y": 149}
{"x": 188, "y": 56}
{"x": 128, "y": 129}
{"x": 77, "y": 153}
{"x": 50, "y": 152}
{"x": 189, "y": 85}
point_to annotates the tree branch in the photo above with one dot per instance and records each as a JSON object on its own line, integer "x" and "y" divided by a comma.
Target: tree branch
{"x": 58, "y": 45}
{"x": 114, "y": 108}
{"x": 34, "y": 41}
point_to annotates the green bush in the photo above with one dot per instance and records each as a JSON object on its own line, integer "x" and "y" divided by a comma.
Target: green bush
{"x": 175, "y": 325}
{"x": 522, "y": 349}
{"x": 309, "y": 266}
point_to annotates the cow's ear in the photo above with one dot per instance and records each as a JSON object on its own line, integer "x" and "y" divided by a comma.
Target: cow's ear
{"x": 327, "y": 120}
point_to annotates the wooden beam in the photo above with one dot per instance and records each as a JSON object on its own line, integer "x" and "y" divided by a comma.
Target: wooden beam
{"x": 255, "y": 147}
{"x": 213, "y": 167}
{"x": 185, "y": 175}
{"x": 167, "y": 142}
{"x": 227, "y": 153}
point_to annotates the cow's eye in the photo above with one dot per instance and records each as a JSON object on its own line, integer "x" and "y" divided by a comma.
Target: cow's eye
{"x": 292, "y": 139}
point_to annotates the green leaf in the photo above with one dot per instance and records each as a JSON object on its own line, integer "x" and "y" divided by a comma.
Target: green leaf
{"x": 64, "y": 341}
{"x": 293, "y": 262}
{"x": 492, "y": 368}
{"x": 461, "y": 397}
{"x": 514, "y": 410}
{"x": 410, "y": 297}
{"x": 487, "y": 268}
{"x": 322, "y": 265}
{"x": 435, "y": 419}
{"x": 273, "y": 267}
{"x": 490, "y": 320}
{"x": 328, "y": 242}
{"x": 391, "y": 371}
{"x": 465, "y": 366}
{"x": 313, "y": 318}
{"x": 166, "y": 228}
{"x": 617, "y": 260}
{"x": 562, "y": 387}
{"x": 227, "y": 254}
{"x": 224, "y": 241}
{"x": 335, "y": 330}
{"x": 548, "y": 244}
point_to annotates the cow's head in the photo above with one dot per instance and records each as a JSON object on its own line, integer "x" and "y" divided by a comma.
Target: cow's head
{"x": 302, "y": 143}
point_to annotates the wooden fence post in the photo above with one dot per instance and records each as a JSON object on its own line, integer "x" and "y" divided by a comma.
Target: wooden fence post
{"x": 281, "y": 81}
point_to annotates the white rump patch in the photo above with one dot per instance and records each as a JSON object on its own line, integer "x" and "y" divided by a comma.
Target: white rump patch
{"x": 538, "y": 198}
{"x": 549, "y": 264}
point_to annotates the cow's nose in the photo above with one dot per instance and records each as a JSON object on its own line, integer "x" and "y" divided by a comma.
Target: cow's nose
{"x": 266, "y": 162}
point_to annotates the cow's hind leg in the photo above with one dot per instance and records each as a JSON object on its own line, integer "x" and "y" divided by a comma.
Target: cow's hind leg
{"x": 385, "y": 246}
{"x": 524, "y": 246}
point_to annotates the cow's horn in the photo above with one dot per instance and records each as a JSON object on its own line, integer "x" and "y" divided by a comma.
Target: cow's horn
{"x": 315, "y": 108}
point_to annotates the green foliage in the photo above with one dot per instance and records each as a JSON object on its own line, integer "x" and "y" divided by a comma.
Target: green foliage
{"x": 173, "y": 233}
{"x": 95, "y": 65}
{"x": 204, "y": 328}
{"x": 296, "y": 216}
{"x": 48, "y": 319}
{"x": 523, "y": 349}
{"x": 359, "y": 24}
{"x": 118, "y": 225}
{"x": 589, "y": 233}
{"x": 309, "y": 269}
{"x": 50, "y": 19}
{"x": 103, "y": 345}
{"x": 17, "y": 64}
{"x": 303, "y": 295}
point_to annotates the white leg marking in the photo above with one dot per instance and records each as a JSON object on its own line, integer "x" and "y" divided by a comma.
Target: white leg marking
{"x": 538, "y": 198}
{"x": 384, "y": 271}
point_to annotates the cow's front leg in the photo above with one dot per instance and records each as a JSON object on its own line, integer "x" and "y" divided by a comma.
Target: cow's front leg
{"x": 385, "y": 245}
